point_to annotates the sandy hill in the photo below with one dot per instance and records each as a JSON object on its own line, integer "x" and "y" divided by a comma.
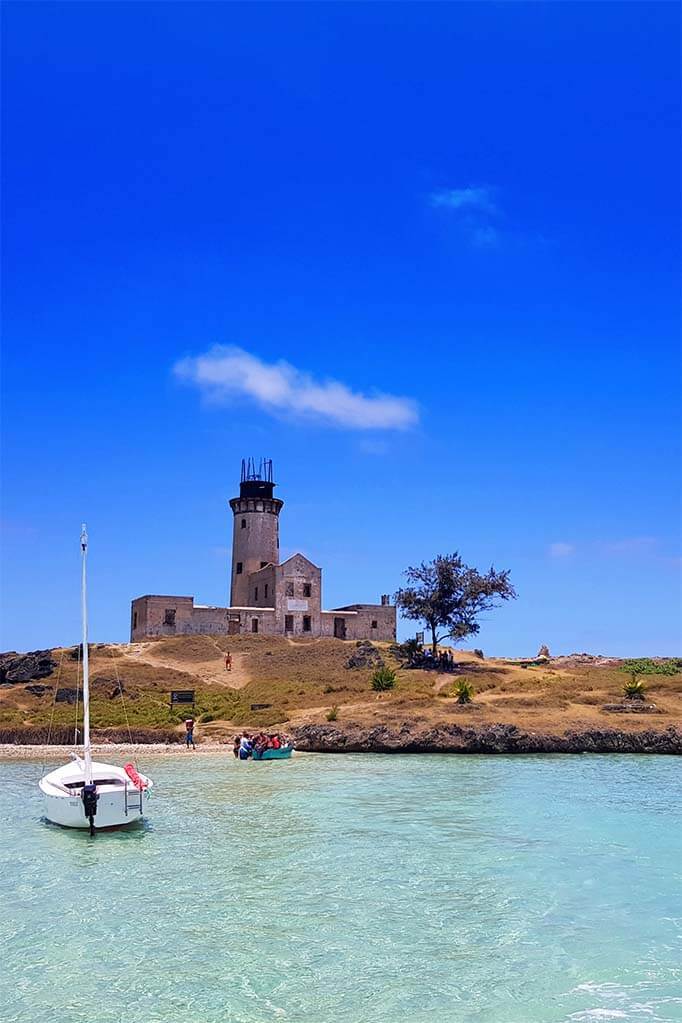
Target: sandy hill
{"x": 301, "y": 682}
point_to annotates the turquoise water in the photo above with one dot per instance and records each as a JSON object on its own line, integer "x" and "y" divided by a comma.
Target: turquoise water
{"x": 353, "y": 889}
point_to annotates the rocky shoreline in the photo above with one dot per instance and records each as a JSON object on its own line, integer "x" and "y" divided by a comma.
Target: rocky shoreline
{"x": 409, "y": 738}
{"x": 496, "y": 738}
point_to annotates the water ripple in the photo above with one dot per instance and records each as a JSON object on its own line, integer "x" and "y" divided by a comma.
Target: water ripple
{"x": 353, "y": 889}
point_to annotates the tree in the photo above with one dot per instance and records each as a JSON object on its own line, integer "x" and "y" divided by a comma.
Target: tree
{"x": 449, "y": 596}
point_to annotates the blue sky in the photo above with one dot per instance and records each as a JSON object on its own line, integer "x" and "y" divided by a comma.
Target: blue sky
{"x": 426, "y": 257}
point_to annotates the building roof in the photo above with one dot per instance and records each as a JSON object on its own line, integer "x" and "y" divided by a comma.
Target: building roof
{"x": 303, "y": 558}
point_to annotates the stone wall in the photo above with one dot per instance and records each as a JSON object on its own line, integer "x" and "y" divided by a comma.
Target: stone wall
{"x": 155, "y": 615}
{"x": 150, "y": 617}
{"x": 298, "y": 597}
{"x": 261, "y": 588}
{"x": 368, "y": 621}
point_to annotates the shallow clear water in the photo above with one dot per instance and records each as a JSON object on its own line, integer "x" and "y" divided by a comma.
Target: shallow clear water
{"x": 357, "y": 889}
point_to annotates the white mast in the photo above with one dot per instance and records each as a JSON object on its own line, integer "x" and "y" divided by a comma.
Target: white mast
{"x": 86, "y": 675}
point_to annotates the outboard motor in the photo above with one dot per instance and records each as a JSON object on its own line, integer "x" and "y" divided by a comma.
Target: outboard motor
{"x": 90, "y": 797}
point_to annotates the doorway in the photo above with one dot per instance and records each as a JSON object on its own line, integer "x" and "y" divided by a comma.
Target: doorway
{"x": 339, "y": 628}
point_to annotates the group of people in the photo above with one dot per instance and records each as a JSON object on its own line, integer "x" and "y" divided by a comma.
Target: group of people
{"x": 245, "y": 745}
{"x": 442, "y": 661}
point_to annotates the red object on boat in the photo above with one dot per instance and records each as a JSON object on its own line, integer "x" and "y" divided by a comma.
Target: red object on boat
{"x": 134, "y": 776}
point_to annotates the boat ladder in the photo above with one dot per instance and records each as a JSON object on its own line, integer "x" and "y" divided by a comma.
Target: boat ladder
{"x": 133, "y": 799}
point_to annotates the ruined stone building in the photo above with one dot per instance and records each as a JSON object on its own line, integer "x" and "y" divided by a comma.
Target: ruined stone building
{"x": 266, "y": 596}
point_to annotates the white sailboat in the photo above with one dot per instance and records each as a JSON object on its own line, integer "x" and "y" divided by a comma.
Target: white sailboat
{"x": 84, "y": 793}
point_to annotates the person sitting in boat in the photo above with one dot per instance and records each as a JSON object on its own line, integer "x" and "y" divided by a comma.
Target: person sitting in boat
{"x": 235, "y": 745}
{"x": 274, "y": 742}
{"x": 260, "y": 743}
{"x": 245, "y": 747}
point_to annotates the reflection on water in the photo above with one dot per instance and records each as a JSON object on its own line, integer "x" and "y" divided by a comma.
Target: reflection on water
{"x": 352, "y": 889}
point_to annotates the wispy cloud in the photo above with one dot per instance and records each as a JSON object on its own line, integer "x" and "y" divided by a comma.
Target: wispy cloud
{"x": 642, "y": 549}
{"x": 630, "y": 546}
{"x": 486, "y": 237}
{"x": 471, "y": 198}
{"x": 225, "y": 373}
{"x": 473, "y": 208}
{"x": 561, "y": 549}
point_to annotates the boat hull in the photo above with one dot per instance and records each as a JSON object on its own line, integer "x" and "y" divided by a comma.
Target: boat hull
{"x": 273, "y": 754}
{"x": 119, "y": 801}
{"x": 112, "y": 811}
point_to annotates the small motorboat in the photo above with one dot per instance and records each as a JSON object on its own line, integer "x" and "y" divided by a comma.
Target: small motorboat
{"x": 283, "y": 753}
{"x": 111, "y": 798}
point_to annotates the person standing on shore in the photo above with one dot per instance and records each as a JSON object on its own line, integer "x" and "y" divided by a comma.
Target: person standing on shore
{"x": 228, "y": 661}
{"x": 189, "y": 733}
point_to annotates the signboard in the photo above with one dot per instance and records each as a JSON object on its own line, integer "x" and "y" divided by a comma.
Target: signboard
{"x": 182, "y": 696}
{"x": 297, "y": 605}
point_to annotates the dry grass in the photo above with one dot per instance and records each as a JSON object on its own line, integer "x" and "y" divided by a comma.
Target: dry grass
{"x": 302, "y": 681}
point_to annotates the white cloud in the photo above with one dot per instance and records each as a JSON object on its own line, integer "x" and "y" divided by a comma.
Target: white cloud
{"x": 471, "y": 198}
{"x": 226, "y": 372}
{"x": 561, "y": 549}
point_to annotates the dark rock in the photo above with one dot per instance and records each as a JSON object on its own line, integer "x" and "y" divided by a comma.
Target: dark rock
{"x": 37, "y": 689}
{"x": 25, "y": 667}
{"x": 66, "y": 695}
{"x": 365, "y": 655}
{"x": 631, "y": 708}
{"x": 498, "y": 738}
{"x": 107, "y": 685}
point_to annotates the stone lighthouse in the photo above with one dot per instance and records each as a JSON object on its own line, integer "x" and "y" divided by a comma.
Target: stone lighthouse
{"x": 267, "y": 595}
{"x": 255, "y": 536}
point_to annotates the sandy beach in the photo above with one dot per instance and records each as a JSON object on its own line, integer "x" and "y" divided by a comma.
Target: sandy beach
{"x": 9, "y": 751}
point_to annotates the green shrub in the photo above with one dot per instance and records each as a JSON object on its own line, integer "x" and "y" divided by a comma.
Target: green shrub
{"x": 645, "y": 666}
{"x": 332, "y": 713}
{"x": 383, "y": 679}
{"x": 634, "y": 689}
{"x": 464, "y": 691}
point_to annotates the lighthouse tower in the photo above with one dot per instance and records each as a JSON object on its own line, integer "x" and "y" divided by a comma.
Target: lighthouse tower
{"x": 255, "y": 537}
